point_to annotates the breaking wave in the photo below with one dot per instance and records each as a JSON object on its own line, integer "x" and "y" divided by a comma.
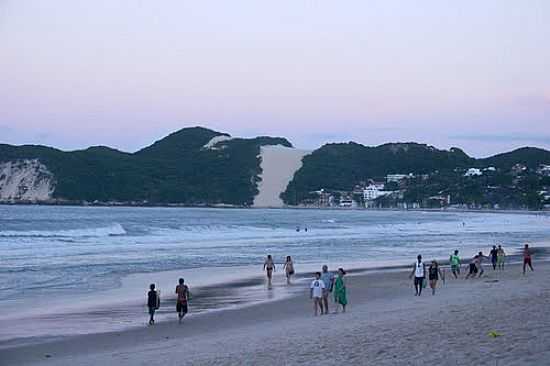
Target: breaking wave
{"x": 112, "y": 230}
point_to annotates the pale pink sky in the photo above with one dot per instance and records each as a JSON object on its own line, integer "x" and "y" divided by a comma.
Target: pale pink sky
{"x": 473, "y": 74}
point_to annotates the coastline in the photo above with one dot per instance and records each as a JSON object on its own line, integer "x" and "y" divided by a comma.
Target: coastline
{"x": 385, "y": 324}
{"x": 286, "y": 207}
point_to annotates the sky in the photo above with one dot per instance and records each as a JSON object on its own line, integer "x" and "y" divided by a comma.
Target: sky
{"x": 473, "y": 74}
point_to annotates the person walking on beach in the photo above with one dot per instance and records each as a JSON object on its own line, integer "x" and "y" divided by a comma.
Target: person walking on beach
{"x": 472, "y": 268}
{"x": 183, "y": 296}
{"x": 455, "y": 263}
{"x": 153, "y": 303}
{"x": 527, "y": 259}
{"x": 434, "y": 272}
{"x": 316, "y": 293}
{"x": 501, "y": 256}
{"x": 269, "y": 267}
{"x": 288, "y": 268}
{"x": 478, "y": 260}
{"x": 340, "y": 296}
{"x": 419, "y": 272}
{"x": 328, "y": 279}
{"x": 494, "y": 257}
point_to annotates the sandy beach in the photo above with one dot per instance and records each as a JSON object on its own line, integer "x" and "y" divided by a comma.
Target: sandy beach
{"x": 385, "y": 325}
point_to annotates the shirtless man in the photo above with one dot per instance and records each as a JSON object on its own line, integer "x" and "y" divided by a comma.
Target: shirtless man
{"x": 527, "y": 258}
{"x": 183, "y": 296}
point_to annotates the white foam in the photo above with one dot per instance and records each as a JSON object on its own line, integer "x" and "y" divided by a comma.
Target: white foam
{"x": 115, "y": 229}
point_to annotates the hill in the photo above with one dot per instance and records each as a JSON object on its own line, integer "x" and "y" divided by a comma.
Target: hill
{"x": 176, "y": 169}
{"x": 199, "y": 166}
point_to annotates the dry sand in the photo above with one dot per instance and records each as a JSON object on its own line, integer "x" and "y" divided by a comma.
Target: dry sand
{"x": 385, "y": 325}
{"x": 279, "y": 163}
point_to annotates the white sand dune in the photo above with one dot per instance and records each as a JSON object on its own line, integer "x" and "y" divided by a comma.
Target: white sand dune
{"x": 279, "y": 163}
{"x": 211, "y": 144}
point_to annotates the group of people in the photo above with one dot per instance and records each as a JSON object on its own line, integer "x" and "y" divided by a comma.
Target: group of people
{"x": 182, "y": 293}
{"x": 324, "y": 284}
{"x": 496, "y": 256}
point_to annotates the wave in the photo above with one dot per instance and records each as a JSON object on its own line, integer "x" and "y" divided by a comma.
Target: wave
{"x": 112, "y": 230}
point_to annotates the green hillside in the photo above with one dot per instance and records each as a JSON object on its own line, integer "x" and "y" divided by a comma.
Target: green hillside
{"x": 175, "y": 169}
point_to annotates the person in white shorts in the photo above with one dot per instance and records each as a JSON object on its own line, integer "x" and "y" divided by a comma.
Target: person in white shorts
{"x": 316, "y": 293}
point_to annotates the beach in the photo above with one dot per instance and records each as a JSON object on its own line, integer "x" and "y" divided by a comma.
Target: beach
{"x": 385, "y": 325}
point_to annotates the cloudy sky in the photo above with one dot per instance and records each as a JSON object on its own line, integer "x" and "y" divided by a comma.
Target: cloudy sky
{"x": 473, "y": 74}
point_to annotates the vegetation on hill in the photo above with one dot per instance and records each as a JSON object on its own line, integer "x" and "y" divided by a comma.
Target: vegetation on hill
{"x": 342, "y": 166}
{"x": 175, "y": 169}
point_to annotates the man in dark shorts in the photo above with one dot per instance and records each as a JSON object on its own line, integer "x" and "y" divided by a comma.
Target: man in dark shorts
{"x": 472, "y": 268}
{"x": 153, "y": 303}
{"x": 527, "y": 258}
{"x": 419, "y": 272}
{"x": 183, "y": 296}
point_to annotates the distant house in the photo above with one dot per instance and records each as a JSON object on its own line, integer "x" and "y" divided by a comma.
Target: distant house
{"x": 519, "y": 168}
{"x": 397, "y": 177}
{"x": 544, "y": 170}
{"x": 473, "y": 172}
{"x": 347, "y": 202}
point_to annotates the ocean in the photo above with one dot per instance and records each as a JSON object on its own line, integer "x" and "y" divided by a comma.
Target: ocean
{"x": 62, "y": 262}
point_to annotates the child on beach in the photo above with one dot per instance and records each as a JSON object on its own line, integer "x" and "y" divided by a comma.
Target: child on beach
{"x": 316, "y": 292}
{"x": 527, "y": 258}
{"x": 183, "y": 296}
{"x": 434, "y": 272}
{"x": 340, "y": 297}
{"x": 269, "y": 267}
{"x": 419, "y": 272}
{"x": 455, "y": 263}
{"x": 153, "y": 303}
{"x": 289, "y": 269}
{"x": 328, "y": 279}
{"x": 500, "y": 257}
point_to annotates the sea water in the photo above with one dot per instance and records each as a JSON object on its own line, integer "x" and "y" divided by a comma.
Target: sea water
{"x": 100, "y": 260}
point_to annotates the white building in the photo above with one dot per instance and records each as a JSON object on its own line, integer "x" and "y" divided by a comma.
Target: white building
{"x": 397, "y": 177}
{"x": 373, "y": 191}
{"x": 473, "y": 172}
{"x": 544, "y": 170}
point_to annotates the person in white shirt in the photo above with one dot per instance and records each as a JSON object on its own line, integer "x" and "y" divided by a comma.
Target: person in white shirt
{"x": 419, "y": 272}
{"x": 316, "y": 293}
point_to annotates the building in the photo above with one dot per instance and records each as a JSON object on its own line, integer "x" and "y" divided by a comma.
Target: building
{"x": 397, "y": 177}
{"x": 374, "y": 191}
{"x": 347, "y": 202}
{"x": 473, "y": 172}
{"x": 544, "y": 170}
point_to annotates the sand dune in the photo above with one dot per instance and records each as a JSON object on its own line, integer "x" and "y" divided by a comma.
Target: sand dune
{"x": 279, "y": 163}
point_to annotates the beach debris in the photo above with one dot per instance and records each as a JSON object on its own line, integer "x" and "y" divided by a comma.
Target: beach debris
{"x": 494, "y": 334}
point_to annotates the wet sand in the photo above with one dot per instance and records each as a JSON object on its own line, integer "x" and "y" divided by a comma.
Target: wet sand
{"x": 385, "y": 325}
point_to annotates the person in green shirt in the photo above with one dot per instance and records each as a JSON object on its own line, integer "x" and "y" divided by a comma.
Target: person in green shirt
{"x": 340, "y": 297}
{"x": 455, "y": 263}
